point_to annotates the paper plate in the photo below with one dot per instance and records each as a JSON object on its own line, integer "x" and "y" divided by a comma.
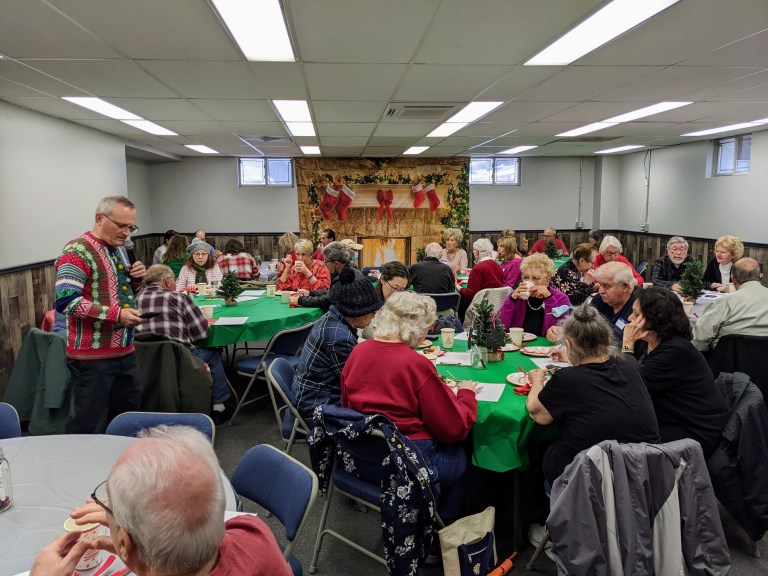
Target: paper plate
{"x": 528, "y": 336}
{"x": 517, "y": 378}
{"x": 424, "y": 344}
{"x": 71, "y": 526}
{"x": 542, "y": 351}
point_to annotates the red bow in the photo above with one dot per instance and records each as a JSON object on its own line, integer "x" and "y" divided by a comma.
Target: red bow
{"x": 385, "y": 200}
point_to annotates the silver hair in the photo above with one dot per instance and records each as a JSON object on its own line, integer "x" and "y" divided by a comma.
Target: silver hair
{"x": 336, "y": 252}
{"x": 158, "y": 273}
{"x": 454, "y": 232}
{"x": 405, "y": 316}
{"x": 173, "y": 537}
{"x": 304, "y": 245}
{"x": 433, "y": 250}
{"x": 610, "y": 241}
{"x": 483, "y": 246}
{"x": 618, "y": 272}
{"x": 589, "y": 335}
{"x": 677, "y": 240}
{"x": 106, "y": 205}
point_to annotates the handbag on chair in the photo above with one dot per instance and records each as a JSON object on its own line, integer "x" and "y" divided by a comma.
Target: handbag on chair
{"x": 468, "y": 545}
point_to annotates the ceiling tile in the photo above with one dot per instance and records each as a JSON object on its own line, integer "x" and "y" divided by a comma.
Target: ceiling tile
{"x": 340, "y": 141}
{"x": 519, "y": 112}
{"x": 216, "y": 140}
{"x": 184, "y": 127}
{"x": 352, "y": 81}
{"x": 406, "y": 141}
{"x": 10, "y": 89}
{"x": 158, "y": 109}
{"x": 342, "y": 151}
{"x": 383, "y": 151}
{"x": 756, "y": 94}
{"x": 345, "y": 128}
{"x": 256, "y": 128}
{"x": 347, "y": 111}
{"x": 280, "y": 80}
{"x": 380, "y": 33}
{"x": 238, "y": 110}
{"x": 404, "y": 128}
{"x": 56, "y": 107}
{"x": 516, "y": 81}
{"x": 577, "y": 83}
{"x": 750, "y": 51}
{"x": 446, "y": 82}
{"x": 490, "y": 129}
{"x": 28, "y": 76}
{"x": 206, "y": 79}
{"x": 723, "y": 88}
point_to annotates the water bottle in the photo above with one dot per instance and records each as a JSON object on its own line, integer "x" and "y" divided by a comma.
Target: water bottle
{"x": 6, "y": 488}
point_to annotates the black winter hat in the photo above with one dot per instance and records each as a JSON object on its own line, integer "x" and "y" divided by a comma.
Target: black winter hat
{"x": 353, "y": 294}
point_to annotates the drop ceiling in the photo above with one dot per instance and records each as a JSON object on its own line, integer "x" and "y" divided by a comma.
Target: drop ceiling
{"x": 174, "y": 63}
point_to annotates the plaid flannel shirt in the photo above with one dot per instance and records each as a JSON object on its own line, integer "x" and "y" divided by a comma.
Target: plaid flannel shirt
{"x": 243, "y": 265}
{"x": 179, "y": 319}
{"x": 665, "y": 273}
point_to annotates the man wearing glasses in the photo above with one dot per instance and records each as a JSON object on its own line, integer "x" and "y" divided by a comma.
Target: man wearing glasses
{"x": 550, "y": 234}
{"x": 164, "y": 505}
{"x": 668, "y": 270}
{"x": 95, "y": 291}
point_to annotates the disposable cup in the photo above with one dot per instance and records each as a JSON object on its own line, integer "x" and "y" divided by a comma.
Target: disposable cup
{"x": 688, "y": 307}
{"x": 271, "y": 289}
{"x": 517, "y": 336}
{"x": 91, "y": 558}
{"x": 286, "y": 297}
{"x": 447, "y": 337}
{"x": 201, "y": 286}
{"x": 207, "y": 311}
{"x": 647, "y": 284}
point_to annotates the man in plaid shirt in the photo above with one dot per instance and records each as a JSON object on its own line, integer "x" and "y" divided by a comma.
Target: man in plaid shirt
{"x": 668, "y": 270}
{"x": 179, "y": 319}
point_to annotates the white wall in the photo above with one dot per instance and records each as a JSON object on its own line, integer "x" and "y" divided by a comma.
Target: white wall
{"x": 204, "y": 193}
{"x": 683, "y": 200}
{"x": 52, "y": 175}
{"x": 607, "y": 187}
{"x": 137, "y": 176}
{"x": 548, "y": 196}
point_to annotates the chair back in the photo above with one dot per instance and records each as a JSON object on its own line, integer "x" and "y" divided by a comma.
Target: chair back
{"x": 641, "y": 267}
{"x": 446, "y": 301}
{"x": 288, "y": 342}
{"x": 289, "y": 421}
{"x": 496, "y": 297}
{"x": 9, "y": 422}
{"x": 280, "y": 484}
{"x": 131, "y": 423}
{"x": 744, "y": 354}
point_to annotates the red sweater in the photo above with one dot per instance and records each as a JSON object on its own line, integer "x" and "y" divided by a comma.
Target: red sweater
{"x": 390, "y": 378}
{"x": 484, "y": 274}
{"x": 600, "y": 260}
{"x": 249, "y": 549}
{"x": 541, "y": 245}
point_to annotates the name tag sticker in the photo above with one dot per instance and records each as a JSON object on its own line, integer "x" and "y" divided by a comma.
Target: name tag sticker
{"x": 620, "y": 323}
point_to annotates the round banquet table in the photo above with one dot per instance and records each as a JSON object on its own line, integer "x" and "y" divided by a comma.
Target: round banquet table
{"x": 265, "y": 317}
{"x": 51, "y": 475}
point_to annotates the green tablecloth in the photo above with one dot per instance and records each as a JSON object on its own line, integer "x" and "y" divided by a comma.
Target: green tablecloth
{"x": 266, "y": 316}
{"x": 504, "y": 430}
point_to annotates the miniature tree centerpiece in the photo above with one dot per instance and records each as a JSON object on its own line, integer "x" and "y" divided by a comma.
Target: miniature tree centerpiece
{"x": 692, "y": 279}
{"x": 551, "y": 250}
{"x": 230, "y": 289}
{"x": 488, "y": 331}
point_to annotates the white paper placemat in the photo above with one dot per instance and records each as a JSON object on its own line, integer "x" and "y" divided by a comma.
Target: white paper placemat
{"x": 232, "y": 320}
{"x": 544, "y": 362}
{"x": 253, "y": 293}
{"x": 455, "y": 359}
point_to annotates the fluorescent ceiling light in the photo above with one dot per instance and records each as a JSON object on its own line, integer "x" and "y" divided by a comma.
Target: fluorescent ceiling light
{"x": 600, "y": 28}
{"x": 258, "y": 27}
{"x": 446, "y": 129}
{"x": 732, "y": 127}
{"x": 301, "y": 128}
{"x": 518, "y": 149}
{"x": 588, "y": 128}
{"x": 620, "y": 149}
{"x": 309, "y": 150}
{"x": 293, "y": 110}
{"x": 200, "y": 148}
{"x": 473, "y": 111}
{"x": 415, "y": 150}
{"x": 102, "y": 107}
{"x": 647, "y": 111}
{"x": 150, "y": 127}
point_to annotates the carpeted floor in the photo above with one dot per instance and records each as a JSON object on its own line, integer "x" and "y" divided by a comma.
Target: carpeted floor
{"x": 256, "y": 424}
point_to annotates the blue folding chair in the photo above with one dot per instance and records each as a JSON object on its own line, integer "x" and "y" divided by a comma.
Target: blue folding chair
{"x": 285, "y": 344}
{"x": 290, "y": 423}
{"x": 131, "y": 423}
{"x": 641, "y": 268}
{"x": 9, "y": 422}
{"x": 446, "y": 301}
{"x": 281, "y": 485}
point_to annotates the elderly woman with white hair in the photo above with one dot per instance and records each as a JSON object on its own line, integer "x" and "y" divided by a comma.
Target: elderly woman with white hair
{"x": 386, "y": 376}
{"x": 610, "y": 251}
{"x": 486, "y": 273}
{"x": 306, "y": 273}
{"x": 534, "y": 305}
{"x": 453, "y": 254}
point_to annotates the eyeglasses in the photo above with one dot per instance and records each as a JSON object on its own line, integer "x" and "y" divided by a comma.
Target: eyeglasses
{"x": 394, "y": 288}
{"x": 549, "y": 235}
{"x": 102, "y": 501}
{"x": 130, "y": 227}
{"x": 678, "y": 249}
{"x": 611, "y": 253}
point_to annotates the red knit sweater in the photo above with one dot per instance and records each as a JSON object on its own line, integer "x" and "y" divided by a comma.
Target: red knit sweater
{"x": 485, "y": 274}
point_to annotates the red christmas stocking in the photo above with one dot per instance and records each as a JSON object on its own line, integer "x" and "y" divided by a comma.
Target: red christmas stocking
{"x": 330, "y": 197}
{"x": 384, "y": 199}
{"x": 345, "y": 199}
{"x": 434, "y": 201}
{"x": 418, "y": 194}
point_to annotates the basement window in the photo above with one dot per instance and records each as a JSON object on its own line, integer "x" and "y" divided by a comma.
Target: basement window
{"x": 732, "y": 155}
{"x": 265, "y": 171}
{"x": 494, "y": 171}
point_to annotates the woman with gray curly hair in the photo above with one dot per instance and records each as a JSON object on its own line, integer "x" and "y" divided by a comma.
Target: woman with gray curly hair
{"x": 453, "y": 254}
{"x": 486, "y": 273}
{"x": 386, "y": 376}
{"x": 601, "y": 396}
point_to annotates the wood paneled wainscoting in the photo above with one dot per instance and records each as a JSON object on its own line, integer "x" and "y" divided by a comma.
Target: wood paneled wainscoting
{"x": 637, "y": 246}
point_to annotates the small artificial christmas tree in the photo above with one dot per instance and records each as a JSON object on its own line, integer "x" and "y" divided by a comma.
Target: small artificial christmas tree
{"x": 692, "y": 280}
{"x": 230, "y": 288}
{"x": 551, "y": 250}
{"x": 487, "y": 328}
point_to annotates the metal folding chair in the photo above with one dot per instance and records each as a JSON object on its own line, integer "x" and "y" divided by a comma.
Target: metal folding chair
{"x": 10, "y": 427}
{"x": 290, "y": 423}
{"x": 131, "y": 423}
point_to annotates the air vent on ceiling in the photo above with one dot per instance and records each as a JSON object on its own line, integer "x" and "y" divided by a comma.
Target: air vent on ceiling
{"x": 431, "y": 112}
{"x": 589, "y": 139}
{"x": 266, "y": 139}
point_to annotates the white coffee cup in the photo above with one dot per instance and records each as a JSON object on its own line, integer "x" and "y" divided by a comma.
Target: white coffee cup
{"x": 201, "y": 286}
{"x": 517, "y": 336}
{"x": 286, "y": 296}
{"x": 688, "y": 307}
{"x": 447, "y": 337}
{"x": 271, "y": 289}
{"x": 207, "y": 311}
{"x": 529, "y": 286}
{"x": 647, "y": 284}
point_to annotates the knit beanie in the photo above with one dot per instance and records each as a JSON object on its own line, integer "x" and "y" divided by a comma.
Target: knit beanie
{"x": 197, "y": 245}
{"x": 353, "y": 294}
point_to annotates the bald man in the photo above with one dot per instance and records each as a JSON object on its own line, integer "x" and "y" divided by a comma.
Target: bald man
{"x": 164, "y": 505}
{"x": 430, "y": 276}
{"x": 550, "y": 234}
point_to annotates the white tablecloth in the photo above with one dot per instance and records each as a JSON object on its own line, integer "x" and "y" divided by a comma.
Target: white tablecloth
{"x": 51, "y": 476}
{"x": 702, "y": 302}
